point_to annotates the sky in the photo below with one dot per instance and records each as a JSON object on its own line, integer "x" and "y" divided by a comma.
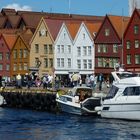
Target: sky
{"x": 82, "y": 7}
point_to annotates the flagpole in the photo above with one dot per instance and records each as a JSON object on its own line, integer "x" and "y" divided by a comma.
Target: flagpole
{"x": 69, "y": 6}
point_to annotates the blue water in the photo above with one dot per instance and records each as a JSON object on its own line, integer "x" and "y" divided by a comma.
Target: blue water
{"x": 19, "y": 124}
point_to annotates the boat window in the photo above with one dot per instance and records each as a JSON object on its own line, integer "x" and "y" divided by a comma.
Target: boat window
{"x": 65, "y": 99}
{"x": 69, "y": 99}
{"x": 112, "y": 92}
{"x": 132, "y": 91}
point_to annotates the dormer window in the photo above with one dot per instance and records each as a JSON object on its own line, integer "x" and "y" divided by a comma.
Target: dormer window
{"x": 107, "y": 32}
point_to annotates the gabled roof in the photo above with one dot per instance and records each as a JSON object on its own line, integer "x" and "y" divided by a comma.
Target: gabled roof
{"x": 119, "y": 23}
{"x": 14, "y": 20}
{"x": 10, "y": 39}
{"x": 54, "y": 26}
{"x": 137, "y": 11}
{"x": 31, "y": 19}
{"x": 26, "y": 37}
{"x": 8, "y": 11}
{"x": 73, "y": 28}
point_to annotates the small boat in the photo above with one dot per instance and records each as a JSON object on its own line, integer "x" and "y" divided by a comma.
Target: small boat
{"x": 79, "y": 101}
{"x": 123, "y": 99}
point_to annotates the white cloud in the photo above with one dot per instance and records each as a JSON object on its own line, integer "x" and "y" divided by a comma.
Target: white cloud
{"x": 19, "y": 7}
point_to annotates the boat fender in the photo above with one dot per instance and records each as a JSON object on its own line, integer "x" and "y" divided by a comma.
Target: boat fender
{"x": 98, "y": 108}
{"x": 1, "y": 100}
{"x": 76, "y": 99}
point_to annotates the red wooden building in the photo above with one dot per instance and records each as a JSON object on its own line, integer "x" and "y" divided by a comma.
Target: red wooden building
{"x": 108, "y": 44}
{"x": 132, "y": 43}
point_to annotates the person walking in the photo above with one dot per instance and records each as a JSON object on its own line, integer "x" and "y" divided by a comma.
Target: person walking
{"x": 100, "y": 79}
{"x": 92, "y": 78}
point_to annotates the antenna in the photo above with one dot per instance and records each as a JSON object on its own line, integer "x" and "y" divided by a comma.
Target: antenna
{"x": 69, "y": 6}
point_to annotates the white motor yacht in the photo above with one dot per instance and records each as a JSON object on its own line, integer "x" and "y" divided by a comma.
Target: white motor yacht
{"x": 79, "y": 101}
{"x": 123, "y": 99}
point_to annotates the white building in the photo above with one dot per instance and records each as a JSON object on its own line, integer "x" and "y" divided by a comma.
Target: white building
{"x": 84, "y": 54}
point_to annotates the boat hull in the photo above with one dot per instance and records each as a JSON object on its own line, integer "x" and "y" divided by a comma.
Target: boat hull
{"x": 128, "y": 111}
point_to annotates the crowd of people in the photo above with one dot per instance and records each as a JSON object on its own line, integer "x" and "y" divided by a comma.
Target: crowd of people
{"x": 48, "y": 81}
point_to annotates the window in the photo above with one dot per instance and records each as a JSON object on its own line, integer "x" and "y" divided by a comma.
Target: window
{"x": 25, "y": 53}
{"x": 7, "y": 56}
{"x": 50, "y": 49}
{"x": 136, "y": 43}
{"x": 128, "y": 59}
{"x": 45, "y": 49}
{"x": 128, "y": 44}
{"x": 99, "y": 48}
{"x": 64, "y": 35}
{"x": 36, "y": 62}
{"x": 89, "y": 50}
{"x": 85, "y": 64}
{"x": 45, "y": 63}
{"x": 69, "y": 63}
{"x": 62, "y": 62}
{"x": 1, "y": 67}
{"x": 25, "y": 66}
{"x": 89, "y": 64}
{"x": 107, "y": 32}
{"x": 15, "y": 67}
{"x": 51, "y": 62}
{"x": 136, "y": 29}
{"x": 79, "y": 64}
{"x": 100, "y": 62}
{"x": 115, "y": 48}
{"x": 104, "y": 47}
{"x": 84, "y": 36}
{"x": 20, "y": 53}
{"x": 84, "y": 50}
{"x": 78, "y": 51}
{"x": 58, "y": 48}
{"x": 58, "y": 62}
{"x": 20, "y": 66}
{"x": 132, "y": 91}
{"x": 1, "y": 55}
{"x": 36, "y": 48}
{"x": 7, "y": 67}
{"x": 15, "y": 54}
{"x": 62, "y": 48}
{"x": 69, "y": 49}
{"x": 137, "y": 59}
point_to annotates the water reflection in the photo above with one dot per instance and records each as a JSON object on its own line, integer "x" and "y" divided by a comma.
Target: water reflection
{"x": 17, "y": 124}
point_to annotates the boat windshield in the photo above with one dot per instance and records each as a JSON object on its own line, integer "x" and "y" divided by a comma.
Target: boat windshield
{"x": 126, "y": 75}
{"x": 112, "y": 92}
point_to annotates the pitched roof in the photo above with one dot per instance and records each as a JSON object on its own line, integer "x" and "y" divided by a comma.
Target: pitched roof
{"x": 2, "y": 21}
{"x": 93, "y": 28}
{"x": 119, "y": 23}
{"x": 10, "y": 39}
{"x": 26, "y": 37}
{"x": 31, "y": 19}
{"x": 14, "y": 20}
{"x": 54, "y": 26}
{"x": 8, "y": 11}
{"x": 73, "y": 28}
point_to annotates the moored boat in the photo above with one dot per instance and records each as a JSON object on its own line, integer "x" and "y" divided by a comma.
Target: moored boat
{"x": 123, "y": 99}
{"x": 79, "y": 101}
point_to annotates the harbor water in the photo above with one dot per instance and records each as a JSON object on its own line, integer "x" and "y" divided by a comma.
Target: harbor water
{"x": 20, "y": 124}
